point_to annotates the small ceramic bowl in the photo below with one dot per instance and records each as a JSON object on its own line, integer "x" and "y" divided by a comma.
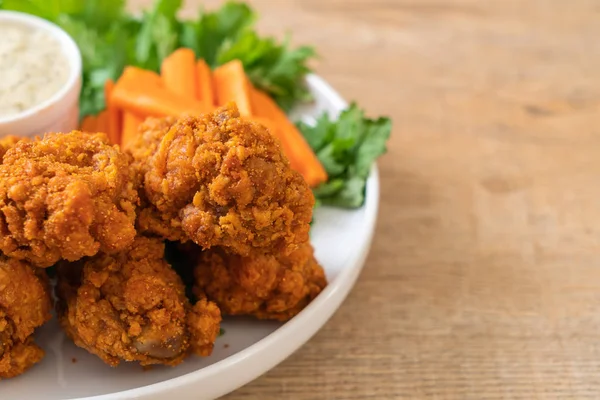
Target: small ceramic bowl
{"x": 59, "y": 113}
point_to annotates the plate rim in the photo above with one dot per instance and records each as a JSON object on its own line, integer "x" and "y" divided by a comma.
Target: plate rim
{"x": 343, "y": 283}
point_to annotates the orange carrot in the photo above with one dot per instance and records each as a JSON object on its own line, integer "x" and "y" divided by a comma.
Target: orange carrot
{"x": 89, "y": 124}
{"x": 231, "y": 84}
{"x": 102, "y": 122}
{"x": 301, "y": 156}
{"x": 131, "y": 122}
{"x": 205, "y": 84}
{"x": 179, "y": 73}
{"x": 150, "y": 77}
{"x": 141, "y": 92}
{"x": 114, "y": 115}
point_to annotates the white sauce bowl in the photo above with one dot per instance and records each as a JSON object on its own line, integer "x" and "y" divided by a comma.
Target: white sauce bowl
{"x": 59, "y": 113}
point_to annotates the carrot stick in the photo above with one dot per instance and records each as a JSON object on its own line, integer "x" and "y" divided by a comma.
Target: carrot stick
{"x": 145, "y": 75}
{"x": 141, "y": 92}
{"x": 102, "y": 122}
{"x": 205, "y": 84}
{"x": 114, "y": 115}
{"x": 301, "y": 156}
{"x": 231, "y": 84}
{"x": 131, "y": 122}
{"x": 89, "y": 124}
{"x": 179, "y": 73}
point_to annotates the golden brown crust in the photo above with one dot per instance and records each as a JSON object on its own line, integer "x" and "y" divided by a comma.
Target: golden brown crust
{"x": 132, "y": 307}
{"x": 262, "y": 285}
{"x": 65, "y": 196}
{"x": 19, "y": 358}
{"x": 8, "y": 142}
{"x": 220, "y": 181}
{"x": 25, "y": 305}
{"x": 203, "y": 322}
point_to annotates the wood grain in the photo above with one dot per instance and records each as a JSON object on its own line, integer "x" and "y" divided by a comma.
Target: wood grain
{"x": 484, "y": 277}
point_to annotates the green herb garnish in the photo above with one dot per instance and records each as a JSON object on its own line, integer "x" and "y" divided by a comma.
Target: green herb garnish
{"x": 347, "y": 148}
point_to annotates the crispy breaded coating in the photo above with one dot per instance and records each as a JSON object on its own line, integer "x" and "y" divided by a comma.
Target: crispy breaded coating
{"x": 25, "y": 305}
{"x": 220, "y": 181}
{"x": 8, "y": 142}
{"x": 132, "y": 307}
{"x": 262, "y": 285}
{"x": 65, "y": 196}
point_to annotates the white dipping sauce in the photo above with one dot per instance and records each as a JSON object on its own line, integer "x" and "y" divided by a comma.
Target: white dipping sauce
{"x": 33, "y": 67}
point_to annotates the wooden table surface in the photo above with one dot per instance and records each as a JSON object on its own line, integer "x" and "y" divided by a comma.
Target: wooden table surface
{"x": 484, "y": 277}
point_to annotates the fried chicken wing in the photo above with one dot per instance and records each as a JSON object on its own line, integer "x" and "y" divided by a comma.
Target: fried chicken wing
{"x": 132, "y": 307}
{"x": 25, "y": 304}
{"x": 65, "y": 196}
{"x": 262, "y": 285}
{"x": 220, "y": 181}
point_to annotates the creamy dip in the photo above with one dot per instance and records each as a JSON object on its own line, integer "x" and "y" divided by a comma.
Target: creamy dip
{"x": 33, "y": 67}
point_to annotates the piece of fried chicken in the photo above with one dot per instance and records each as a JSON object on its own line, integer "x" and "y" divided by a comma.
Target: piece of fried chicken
{"x": 220, "y": 181}
{"x": 262, "y": 285}
{"x": 65, "y": 196}
{"x": 25, "y": 305}
{"x": 132, "y": 307}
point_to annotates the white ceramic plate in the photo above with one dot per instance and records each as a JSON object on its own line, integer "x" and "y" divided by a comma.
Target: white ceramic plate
{"x": 248, "y": 348}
